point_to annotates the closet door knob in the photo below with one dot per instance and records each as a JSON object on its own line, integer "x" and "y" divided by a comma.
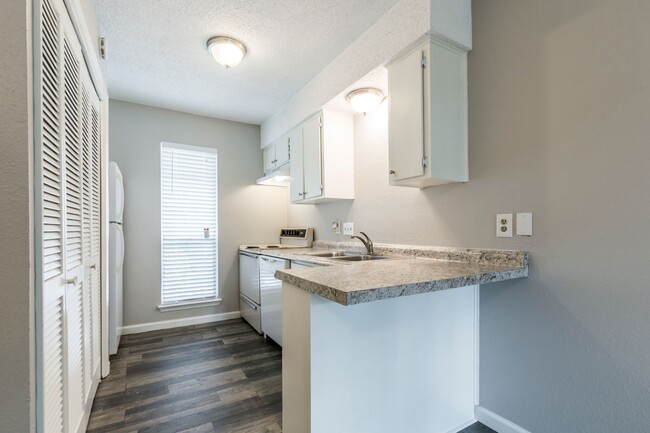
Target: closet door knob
{"x": 72, "y": 281}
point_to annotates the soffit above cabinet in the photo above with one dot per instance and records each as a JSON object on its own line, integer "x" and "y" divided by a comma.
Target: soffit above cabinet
{"x": 157, "y": 54}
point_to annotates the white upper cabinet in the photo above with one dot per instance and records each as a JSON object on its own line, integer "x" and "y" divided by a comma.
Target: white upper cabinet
{"x": 282, "y": 151}
{"x": 297, "y": 186}
{"x": 322, "y": 163}
{"x": 427, "y": 130}
{"x": 276, "y": 154}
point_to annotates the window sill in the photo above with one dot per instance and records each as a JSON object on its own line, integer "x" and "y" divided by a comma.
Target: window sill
{"x": 188, "y": 305}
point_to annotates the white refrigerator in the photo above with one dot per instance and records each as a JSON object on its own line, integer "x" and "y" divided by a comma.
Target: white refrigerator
{"x": 116, "y": 256}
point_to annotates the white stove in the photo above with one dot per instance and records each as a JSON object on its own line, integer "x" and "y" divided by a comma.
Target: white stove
{"x": 260, "y": 294}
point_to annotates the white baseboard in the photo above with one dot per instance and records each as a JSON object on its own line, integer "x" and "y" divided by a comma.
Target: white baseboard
{"x": 462, "y": 426}
{"x": 496, "y": 422}
{"x": 167, "y": 324}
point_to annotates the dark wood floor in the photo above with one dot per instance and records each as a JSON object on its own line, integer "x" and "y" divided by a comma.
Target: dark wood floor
{"x": 219, "y": 377}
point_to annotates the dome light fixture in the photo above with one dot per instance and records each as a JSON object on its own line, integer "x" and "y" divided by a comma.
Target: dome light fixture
{"x": 365, "y": 99}
{"x": 227, "y": 51}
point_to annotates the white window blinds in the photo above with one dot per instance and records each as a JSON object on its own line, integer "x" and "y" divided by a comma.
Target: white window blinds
{"x": 189, "y": 224}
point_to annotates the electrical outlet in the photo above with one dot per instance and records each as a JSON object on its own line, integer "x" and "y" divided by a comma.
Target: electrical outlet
{"x": 504, "y": 225}
{"x": 348, "y": 229}
{"x": 336, "y": 227}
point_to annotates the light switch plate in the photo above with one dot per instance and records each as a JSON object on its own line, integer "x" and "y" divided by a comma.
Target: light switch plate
{"x": 348, "y": 229}
{"x": 524, "y": 224}
{"x": 504, "y": 225}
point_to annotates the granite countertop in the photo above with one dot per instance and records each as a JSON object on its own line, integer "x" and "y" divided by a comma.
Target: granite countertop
{"x": 417, "y": 270}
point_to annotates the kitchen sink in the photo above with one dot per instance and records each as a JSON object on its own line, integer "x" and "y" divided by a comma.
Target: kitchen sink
{"x": 332, "y": 254}
{"x": 364, "y": 257}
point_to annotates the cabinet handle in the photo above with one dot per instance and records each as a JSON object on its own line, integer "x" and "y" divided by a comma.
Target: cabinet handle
{"x": 391, "y": 172}
{"x": 93, "y": 266}
{"x": 301, "y": 194}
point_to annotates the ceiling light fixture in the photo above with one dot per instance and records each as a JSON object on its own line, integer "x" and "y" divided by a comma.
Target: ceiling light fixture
{"x": 227, "y": 51}
{"x": 365, "y": 99}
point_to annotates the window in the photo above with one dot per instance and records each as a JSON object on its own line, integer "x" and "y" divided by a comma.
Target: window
{"x": 188, "y": 226}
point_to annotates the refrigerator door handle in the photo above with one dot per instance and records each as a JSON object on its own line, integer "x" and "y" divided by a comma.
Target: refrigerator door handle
{"x": 121, "y": 250}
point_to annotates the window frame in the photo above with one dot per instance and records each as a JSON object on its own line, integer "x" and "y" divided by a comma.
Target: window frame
{"x": 183, "y": 305}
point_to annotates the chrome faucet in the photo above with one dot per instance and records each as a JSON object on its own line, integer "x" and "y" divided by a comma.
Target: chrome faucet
{"x": 366, "y": 242}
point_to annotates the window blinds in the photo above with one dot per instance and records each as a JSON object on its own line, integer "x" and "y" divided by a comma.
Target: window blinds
{"x": 189, "y": 224}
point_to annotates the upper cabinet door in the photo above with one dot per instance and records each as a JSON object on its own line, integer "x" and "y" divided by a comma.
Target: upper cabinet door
{"x": 282, "y": 151}
{"x": 269, "y": 158}
{"x": 312, "y": 154}
{"x": 296, "y": 167}
{"x": 406, "y": 120}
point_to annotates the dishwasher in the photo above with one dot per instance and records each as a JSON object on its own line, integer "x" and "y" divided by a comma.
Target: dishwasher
{"x": 271, "y": 296}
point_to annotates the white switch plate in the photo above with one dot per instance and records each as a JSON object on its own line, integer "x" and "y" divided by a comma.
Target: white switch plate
{"x": 348, "y": 229}
{"x": 504, "y": 225}
{"x": 336, "y": 227}
{"x": 524, "y": 224}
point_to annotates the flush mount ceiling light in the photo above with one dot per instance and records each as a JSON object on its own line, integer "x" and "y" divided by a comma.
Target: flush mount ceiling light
{"x": 227, "y": 51}
{"x": 365, "y": 99}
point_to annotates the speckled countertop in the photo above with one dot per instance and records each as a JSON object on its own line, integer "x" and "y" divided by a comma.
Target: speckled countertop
{"x": 418, "y": 270}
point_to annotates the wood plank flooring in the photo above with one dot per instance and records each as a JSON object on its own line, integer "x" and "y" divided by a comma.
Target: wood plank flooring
{"x": 215, "y": 378}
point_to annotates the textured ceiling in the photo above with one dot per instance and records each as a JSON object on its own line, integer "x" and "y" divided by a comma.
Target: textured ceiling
{"x": 157, "y": 54}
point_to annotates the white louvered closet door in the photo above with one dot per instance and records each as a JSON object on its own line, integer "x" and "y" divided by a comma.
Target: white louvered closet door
{"x": 68, "y": 149}
{"x": 52, "y": 341}
{"x": 72, "y": 138}
{"x": 95, "y": 235}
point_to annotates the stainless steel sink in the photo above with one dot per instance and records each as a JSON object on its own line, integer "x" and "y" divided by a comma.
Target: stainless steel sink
{"x": 332, "y": 254}
{"x": 364, "y": 257}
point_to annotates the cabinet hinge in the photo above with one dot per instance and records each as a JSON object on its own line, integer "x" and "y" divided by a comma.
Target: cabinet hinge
{"x": 424, "y": 162}
{"x": 322, "y": 187}
{"x": 423, "y": 61}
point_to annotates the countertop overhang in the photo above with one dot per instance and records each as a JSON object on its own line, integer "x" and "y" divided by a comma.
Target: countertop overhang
{"x": 418, "y": 270}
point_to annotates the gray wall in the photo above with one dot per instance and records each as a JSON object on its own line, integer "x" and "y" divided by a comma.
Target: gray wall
{"x": 559, "y": 109}
{"x": 16, "y": 257}
{"x": 247, "y": 213}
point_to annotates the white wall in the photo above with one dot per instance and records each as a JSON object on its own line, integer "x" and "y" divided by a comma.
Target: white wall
{"x": 559, "y": 97}
{"x": 16, "y": 251}
{"x": 247, "y": 213}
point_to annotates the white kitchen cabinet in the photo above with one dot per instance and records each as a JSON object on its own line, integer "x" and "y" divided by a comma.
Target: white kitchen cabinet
{"x": 427, "y": 128}
{"x": 322, "y": 163}
{"x": 276, "y": 154}
{"x": 297, "y": 187}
